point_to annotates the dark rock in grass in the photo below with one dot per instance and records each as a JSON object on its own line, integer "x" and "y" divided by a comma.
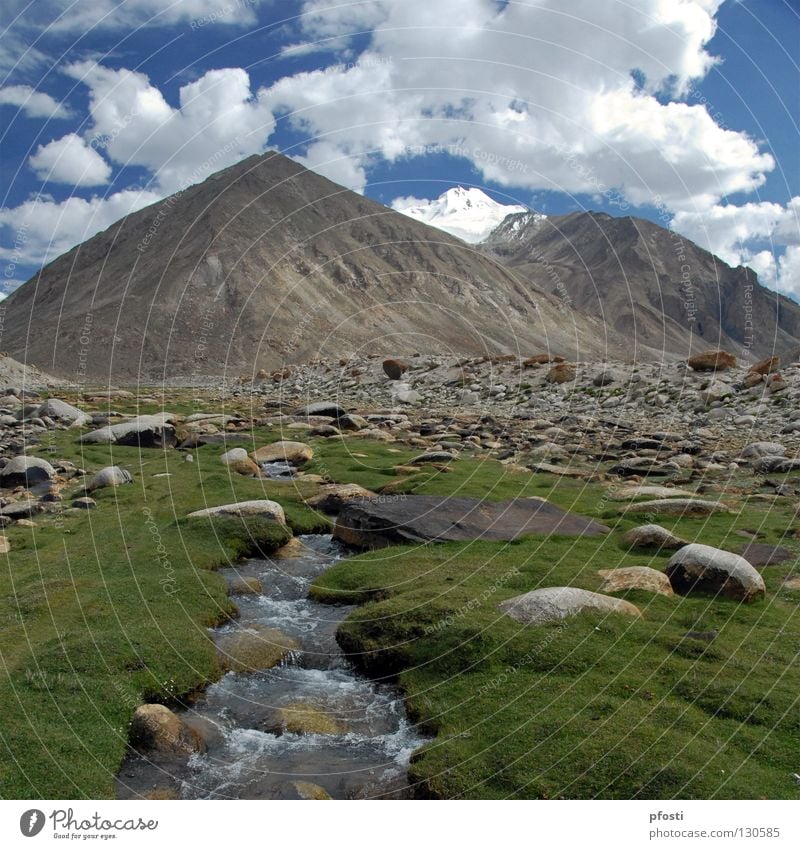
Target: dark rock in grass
{"x": 392, "y": 520}
{"x": 26, "y": 471}
{"x": 550, "y": 604}
{"x": 761, "y": 554}
{"x": 143, "y": 432}
{"x": 432, "y": 457}
{"x": 84, "y": 503}
{"x": 20, "y": 510}
{"x": 641, "y": 466}
{"x": 705, "y": 636}
{"x": 704, "y": 569}
{"x": 776, "y": 465}
{"x": 322, "y": 408}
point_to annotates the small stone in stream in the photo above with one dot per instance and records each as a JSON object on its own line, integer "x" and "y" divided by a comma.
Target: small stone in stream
{"x": 296, "y": 453}
{"x": 303, "y": 718}
{"x": 712, "y": 361}
{"x": 551, "y": 604}
{"x": 307, "y": 790}
{"x": 239, "y": 461}
{"x": 761, "y": 554}
{"x": 155, "y": 728}
{"x": 243, "y": 585}
{"x": 634, "y": 578}
{"x": 394, "y": 369}
{"x": 259, "y": 507}
{"x": 26, "y": 471}
{"x": 561, "y": 373}
{"x": 677, "y": 507}
{"x": 697, "y": 568}
{"x": 332, "y": 497}
{"x": 293, "y": 548}
{"x": 254, "y": 649}
{"x": 109, "y": 476}
{"x": 652, "y": 536}
{"x": 84, "y": 503}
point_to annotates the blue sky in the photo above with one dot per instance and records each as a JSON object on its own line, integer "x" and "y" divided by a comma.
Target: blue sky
{"x": 683, "y": 111}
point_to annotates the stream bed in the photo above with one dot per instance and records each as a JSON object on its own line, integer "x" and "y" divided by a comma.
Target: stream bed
{"x": 366, "y": 740}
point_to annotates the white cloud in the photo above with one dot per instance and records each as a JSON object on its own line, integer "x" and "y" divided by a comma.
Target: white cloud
{"x": 763, "y": 235}
{"x": 43, "y": 228}
{"x": 538, "y": 95}
{"x": 70, "y": 160}
{"x": 218, "y": 122}
{"x": 35, "y": 104}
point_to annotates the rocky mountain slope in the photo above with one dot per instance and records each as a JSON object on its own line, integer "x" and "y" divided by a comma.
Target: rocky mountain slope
{"x": 653, "y": 287}
{"x": 267, "y": 263}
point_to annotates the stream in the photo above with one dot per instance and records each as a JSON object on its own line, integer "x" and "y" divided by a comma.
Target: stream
{"x": 250, "y": 756}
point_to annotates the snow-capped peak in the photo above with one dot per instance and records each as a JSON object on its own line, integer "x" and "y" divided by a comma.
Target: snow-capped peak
{"x": 468, "y": 214}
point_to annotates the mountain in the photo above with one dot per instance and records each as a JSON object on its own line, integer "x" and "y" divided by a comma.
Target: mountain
{"x": 654, "y": 288}
{"x": 467, "y": 214}
{"x": 266, "y": 263}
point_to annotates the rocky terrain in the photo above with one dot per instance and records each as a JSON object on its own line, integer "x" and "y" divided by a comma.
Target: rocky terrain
{"x": 655, "y": 493}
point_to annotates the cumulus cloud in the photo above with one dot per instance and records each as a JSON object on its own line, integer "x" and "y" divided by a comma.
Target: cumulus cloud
{"x": 43, "y": 228}
{"x": 763, "y": 235}
{"x": 70, "y": 160}
{"x": 35, "y": 104}
{"x": 543, "y": 95}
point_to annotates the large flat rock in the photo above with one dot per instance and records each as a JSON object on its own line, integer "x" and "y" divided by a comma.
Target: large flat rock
{"x": 398, "y": 519}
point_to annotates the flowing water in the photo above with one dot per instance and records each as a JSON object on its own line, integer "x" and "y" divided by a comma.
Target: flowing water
{"x": 249, "y": 753}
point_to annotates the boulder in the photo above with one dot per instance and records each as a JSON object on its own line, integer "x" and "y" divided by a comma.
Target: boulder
{"x": 712, "y": 361}
{"x": 697, "y": 568}
{"x": 765, "y": 366}
{"x": 239, "y": 461}
{"x": 681, "y": 507}
{"x": 398, "y": 519}
{"x": 155, "y": 728}
{"x": 109, "y": 476}
{"x": 260, "y": 507}
{"x": 552, "y": 604}
{"x": 26, "y": 471}
{"x": 715, "y": 391}
{"x": 634, "y": 578}
{"x": 254, "y": 649}
{"x": 143, "y": 432}
{"x": 432, "y": 457}
{"x": 296, "y": 453}
{"x": 332, "y": 497}
{"x": 352, "y": 422}
{"x": 63, "y": 412}
{"x": 776, "y": 465}
{"x": 629, "y": 493}
{"x": 756, "y": 450}
{"x": 652, "y": 536}
{"x": 394, "y": 369}
{"x": 322, "y": 408}
{"x": 84, "y": 503}
{"x": 19, "y": 510}
{"x": 561, "y": 373}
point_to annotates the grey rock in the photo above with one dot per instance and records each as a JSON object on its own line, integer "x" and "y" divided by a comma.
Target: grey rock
{"x": 26, "y": 471}
{"x": 552, "y": 604}
{"x": 697, "y": 568}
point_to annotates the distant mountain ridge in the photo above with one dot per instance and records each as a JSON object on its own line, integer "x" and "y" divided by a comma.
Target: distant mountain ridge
{"x": 652, "y": 286}
{"x": 267, "y": 263}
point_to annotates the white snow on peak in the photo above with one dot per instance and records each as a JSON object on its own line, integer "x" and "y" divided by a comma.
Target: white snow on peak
{"x": 468, "y": 214}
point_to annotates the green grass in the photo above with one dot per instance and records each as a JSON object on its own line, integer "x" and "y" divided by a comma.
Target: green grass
{"x": 593, "y": 706}
{"x": 108, "y": 608}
